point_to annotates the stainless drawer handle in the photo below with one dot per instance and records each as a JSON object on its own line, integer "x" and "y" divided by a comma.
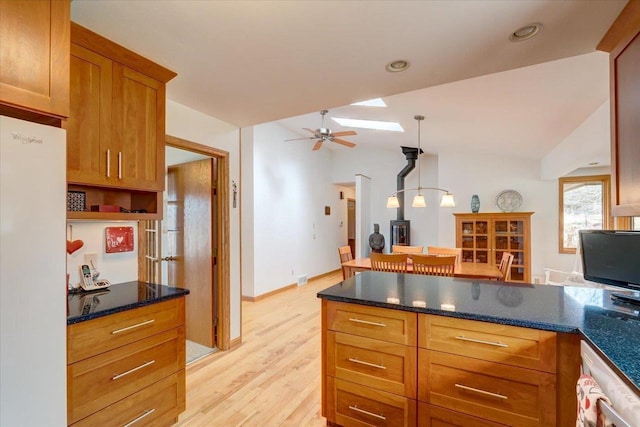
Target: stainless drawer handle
{"x": 119, "y": 164}
{"x": 496, "y": 344}
{"x": 146, "y": 414}
{"x": 362, "y": 362}
{"x": 108, "y": 162}
{"x": 137, "y": 325}
{"x": 131, "y": 371}
{"x": 362, "y": 411}
{"x": 477, "y": 390}
{"x": 366, "y": 322}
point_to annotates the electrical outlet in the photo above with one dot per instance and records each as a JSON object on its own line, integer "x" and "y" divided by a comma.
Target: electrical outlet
{"x": 91, "y": 259}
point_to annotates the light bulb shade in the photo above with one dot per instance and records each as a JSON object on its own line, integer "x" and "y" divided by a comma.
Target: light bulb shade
{"x": 447, "y": 201}
{"x": 392, "y": 202}
{"x": 419, "y": 202}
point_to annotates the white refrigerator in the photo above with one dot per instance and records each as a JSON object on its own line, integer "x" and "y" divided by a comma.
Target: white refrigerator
{"x": 32, "y": 274}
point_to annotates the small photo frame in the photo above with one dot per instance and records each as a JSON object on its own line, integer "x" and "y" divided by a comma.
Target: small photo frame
{"x": 118, "y": 239}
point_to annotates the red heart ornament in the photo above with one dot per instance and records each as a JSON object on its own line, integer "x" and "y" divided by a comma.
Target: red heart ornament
{"x": 74, "y": 246}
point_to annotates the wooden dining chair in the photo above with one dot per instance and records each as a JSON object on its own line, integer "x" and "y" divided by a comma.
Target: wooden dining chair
{"x": 345, "y": 255}
{"x": 396, "y": 263}
{"x": 401, "y": 249}
{"x": 440, "y": 251}
{"x": 434, "y": 265}
{"x": 505, "y": 266}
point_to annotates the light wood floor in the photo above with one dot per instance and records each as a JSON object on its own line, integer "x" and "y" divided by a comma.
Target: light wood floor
{"x": 273, "y": 378}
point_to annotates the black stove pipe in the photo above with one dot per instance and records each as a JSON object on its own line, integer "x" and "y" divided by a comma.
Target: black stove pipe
{"x": 411, "y": 153}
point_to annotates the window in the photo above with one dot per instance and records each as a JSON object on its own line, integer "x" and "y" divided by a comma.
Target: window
{"x": 584, "y": 204}
{"x": 635, "y": 223}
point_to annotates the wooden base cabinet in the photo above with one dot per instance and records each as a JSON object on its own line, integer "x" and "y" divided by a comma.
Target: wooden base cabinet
{"x": 385, "y": 367}
{"x": 484, "y": 237}
{"x": 128, "y": 366}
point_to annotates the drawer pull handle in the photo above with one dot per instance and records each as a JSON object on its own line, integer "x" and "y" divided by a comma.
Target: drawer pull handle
{"x": 362, "y": 411}
{"x": 131, "y": 371}
{"x": 108, "y": 163}
{"x": 362, "y": 362}
{"x": 119, "y": 164}
{"x": 366, "y": 322}
{"x": 137, "y": 325}
{"x": 477, "y": 390}
{"x": 496, "y": 344}
{"x": 146, "y": 414}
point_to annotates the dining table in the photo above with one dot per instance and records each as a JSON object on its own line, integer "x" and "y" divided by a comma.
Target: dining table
{"x": 464, "y": 269}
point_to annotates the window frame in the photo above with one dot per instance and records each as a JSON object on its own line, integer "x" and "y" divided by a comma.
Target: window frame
{"x": 607, "y": 220}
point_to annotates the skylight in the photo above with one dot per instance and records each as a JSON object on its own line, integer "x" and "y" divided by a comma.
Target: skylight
{"x": 369, "y": 124}
{"x": 377, "y": 102}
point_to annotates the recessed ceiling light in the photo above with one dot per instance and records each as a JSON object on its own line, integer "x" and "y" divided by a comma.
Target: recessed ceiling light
{"x": 397, "y": 65}
{"x": 368, "y": 124}
{"x": 377, "y": 102}
{"x": 525, "y": 33}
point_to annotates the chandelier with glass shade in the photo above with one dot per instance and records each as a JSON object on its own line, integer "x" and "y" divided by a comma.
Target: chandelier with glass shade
{"x": 418, "y": 200}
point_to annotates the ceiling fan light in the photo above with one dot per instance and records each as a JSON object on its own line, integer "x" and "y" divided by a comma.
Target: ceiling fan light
{"x": 447, "y": 201}
{"x": 392, "y": 202}
{"x": 419, "y": 202}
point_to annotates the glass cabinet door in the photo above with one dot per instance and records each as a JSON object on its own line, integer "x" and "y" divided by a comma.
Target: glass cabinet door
{"x": 476, "y": 245}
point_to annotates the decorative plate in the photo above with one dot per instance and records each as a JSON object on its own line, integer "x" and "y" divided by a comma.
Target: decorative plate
{"x": 508, "y": 200}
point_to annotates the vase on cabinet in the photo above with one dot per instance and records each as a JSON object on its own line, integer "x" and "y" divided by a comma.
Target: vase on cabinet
{"x": 475, "y": 203}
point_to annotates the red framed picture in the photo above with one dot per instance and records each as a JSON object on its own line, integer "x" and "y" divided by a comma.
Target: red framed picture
{"x": 119, "y": 239}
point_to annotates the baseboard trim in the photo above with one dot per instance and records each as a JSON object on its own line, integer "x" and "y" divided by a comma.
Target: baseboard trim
{"x": 235, "y": 343}
{"x": 287, "y": 287}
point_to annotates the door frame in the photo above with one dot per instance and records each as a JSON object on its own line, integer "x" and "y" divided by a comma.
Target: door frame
{"x": 222, "y": 213}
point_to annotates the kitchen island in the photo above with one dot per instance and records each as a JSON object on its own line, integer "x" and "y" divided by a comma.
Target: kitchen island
{"x": 126, "y": 355}
{"x": 443, "y": 326}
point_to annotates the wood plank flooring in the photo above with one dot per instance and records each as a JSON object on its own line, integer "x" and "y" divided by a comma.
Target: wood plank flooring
{"x": 273, "y": 378}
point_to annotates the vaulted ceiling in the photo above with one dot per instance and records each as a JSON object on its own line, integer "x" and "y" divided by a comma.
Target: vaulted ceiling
{"x": 251, "y": 62}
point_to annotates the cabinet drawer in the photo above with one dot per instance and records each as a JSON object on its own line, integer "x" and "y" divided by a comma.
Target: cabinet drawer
{"x": 501, "y": 393}
{"x": 378, "y": 364}
{"x": 373, "y": 322}
{"x": 350, "y": 404}
{"x": 86, "y": 339}
{"x": 158, "y": 404}
{"x": 511, "y": 345}
{"x": 97, "y": 382}
{"x": 434, "y": 416}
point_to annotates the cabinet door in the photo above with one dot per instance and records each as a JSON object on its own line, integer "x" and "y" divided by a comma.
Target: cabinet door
{"x": 625, "y": 128}
{"x": 138, "y": 112}
{"x": 89, "y": 158}
{"x": 509, "y": 236}
{"x": 34, "y": 55}
{"x": 475, "y": 241}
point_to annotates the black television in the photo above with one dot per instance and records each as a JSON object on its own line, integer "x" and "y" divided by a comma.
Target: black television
{"x": 612, "y": 257}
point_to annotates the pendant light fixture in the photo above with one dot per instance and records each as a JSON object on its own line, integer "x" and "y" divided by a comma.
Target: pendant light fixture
{"x": 418, "y": 200}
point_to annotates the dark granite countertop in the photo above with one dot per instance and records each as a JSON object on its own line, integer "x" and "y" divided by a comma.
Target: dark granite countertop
{"x": 612, "y": 329}
{"x": 118, "y": 297}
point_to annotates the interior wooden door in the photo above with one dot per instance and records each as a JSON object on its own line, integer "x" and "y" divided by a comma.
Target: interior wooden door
{"x": 190, "y": 231}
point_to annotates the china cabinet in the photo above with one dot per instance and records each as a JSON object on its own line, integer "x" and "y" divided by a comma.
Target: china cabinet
{"x": 484, "y": 237}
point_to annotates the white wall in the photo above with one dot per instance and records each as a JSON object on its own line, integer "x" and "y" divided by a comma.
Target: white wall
{"x": 292, "y": 236}
{"x": 116, "y": 267}
{"x": 191, "y": 125}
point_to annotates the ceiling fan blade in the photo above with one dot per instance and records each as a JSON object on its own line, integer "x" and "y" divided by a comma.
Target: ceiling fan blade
{"x": 345, "y": 133}
{"x": 317, "y": 146}
{"x": 298, "y": 139}
{"x": 343, "y": 142}
{"x": 310, "y": 130}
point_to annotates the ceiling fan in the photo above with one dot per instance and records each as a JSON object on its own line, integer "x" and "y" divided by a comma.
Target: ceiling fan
{"x": 324, "y": 134}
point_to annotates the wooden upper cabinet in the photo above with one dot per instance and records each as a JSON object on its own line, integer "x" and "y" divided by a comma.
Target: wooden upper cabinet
{"x": 116, "y": 130}
{"x": 89, "y": 123}
{"x": 623, "y": 42}
{"x": 34, "y": 55}
{"x": 138, "y": 105}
